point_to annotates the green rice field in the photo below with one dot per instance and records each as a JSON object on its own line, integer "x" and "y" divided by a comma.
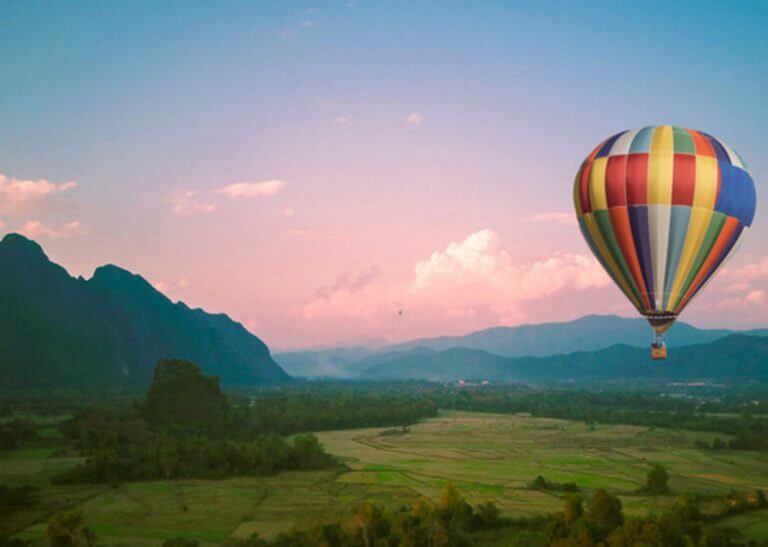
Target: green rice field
{"x": 489, "y": 457}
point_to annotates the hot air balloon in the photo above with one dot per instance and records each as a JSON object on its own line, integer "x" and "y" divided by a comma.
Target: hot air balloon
{"x": 662, "y": 209}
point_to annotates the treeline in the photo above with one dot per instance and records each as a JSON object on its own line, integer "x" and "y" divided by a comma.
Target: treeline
{"x": 601, "y": 521}
{"x": 53, "y": 402}
{"x": 596, "y": 521}
{"x": 543, "y": 484}
{"x": 452, "y": 522}
{"x": 749, "y": 431}
{"x": 162, "y": 456}
{"x": 745, "y": 439}
{"x": 319, "y": 406}
{"x": 325, "y": 407}
{"x": 185, "y": 427}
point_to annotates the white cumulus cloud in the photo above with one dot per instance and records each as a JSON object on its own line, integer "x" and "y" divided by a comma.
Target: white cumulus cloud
{"x": 479, "y": 261}
{"x": 471, "y": 277}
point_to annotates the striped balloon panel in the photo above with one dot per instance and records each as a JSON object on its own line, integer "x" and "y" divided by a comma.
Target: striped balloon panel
{"x": 662, "y": 208}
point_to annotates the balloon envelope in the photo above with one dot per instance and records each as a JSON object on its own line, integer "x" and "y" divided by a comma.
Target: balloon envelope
{"x": 662, "y": 208}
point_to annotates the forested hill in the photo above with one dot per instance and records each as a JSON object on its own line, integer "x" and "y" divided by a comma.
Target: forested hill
{"x": 588, "y": 333}
{"x": 736, "y": 358}
{"x": 110, "y": 330}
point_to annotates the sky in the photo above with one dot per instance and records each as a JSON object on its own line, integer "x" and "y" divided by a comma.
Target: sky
{"x": 336, "y": 172}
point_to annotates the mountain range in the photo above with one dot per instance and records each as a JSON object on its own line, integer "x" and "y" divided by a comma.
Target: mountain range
{"x": 591, "y": 333}
{"x": 736, "y": 357}
{"x": 110, "y": 330}
{"x": 587, "y": 333}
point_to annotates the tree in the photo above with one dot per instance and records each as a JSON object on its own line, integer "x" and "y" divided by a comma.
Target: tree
{"x": 719, "y": 444}
{"x": 322, "y": 535}
{"x": 309, "y": 453}
{"x": 66, "y": 529}
{"x": 555, "y": 530}
{"x": 717, "y": 537}
{"x": 181, "y": 397}
{"x": 656, "y": 480}
{"x": 760, "y": 498}
{"x": 539, "y": 483}
{"x": 454, "y": 511}
{"x": 487, "y": 516}
{"x": 370, "y": 524}
{"x": 573, "y": 510}
{"x": 604, "y": 513}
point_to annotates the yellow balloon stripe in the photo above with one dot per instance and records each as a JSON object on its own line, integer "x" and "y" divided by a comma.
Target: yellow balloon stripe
{"x": 663, "y": 140}
{"x": 705, "y": 250}
{"x": 577, "y": 193}
{"x": 697, "y": 228}
{"x": 734, "y": 249}
{"x": 597, "y": 184}
{"x": 705, "y": 189}
{"x": 597, "y": 239}
{"x": 660, "y": 167}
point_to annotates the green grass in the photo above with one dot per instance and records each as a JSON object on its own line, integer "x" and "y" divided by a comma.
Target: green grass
{"x": 494, "y": 457}
{"x": 753, "y": 526}
{"x": 488, "y": 457}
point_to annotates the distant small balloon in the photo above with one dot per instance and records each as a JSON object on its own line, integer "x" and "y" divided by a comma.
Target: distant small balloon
{"x": 399, "y": 312}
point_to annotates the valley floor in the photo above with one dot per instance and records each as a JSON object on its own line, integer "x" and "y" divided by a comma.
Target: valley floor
{"x": 489, "y": 457}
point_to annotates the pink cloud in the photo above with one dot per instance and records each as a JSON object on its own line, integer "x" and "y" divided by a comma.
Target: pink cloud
{"x": 477, "y": 269}
{"x": 253, "y": 189}
{"x": 16, "y": 192}
{"x": 747, "y": 273}
{"x": 350, "y": 282}
{"x": 414, "y": 118}
{"x": 173, "y": 287}
{"x": 471, "y": 278}
{"x": 756, "y": 297}
{"x": 188, "y": 203}
{"x": 36, "y": 228}
{"x": 740, "y": 288}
